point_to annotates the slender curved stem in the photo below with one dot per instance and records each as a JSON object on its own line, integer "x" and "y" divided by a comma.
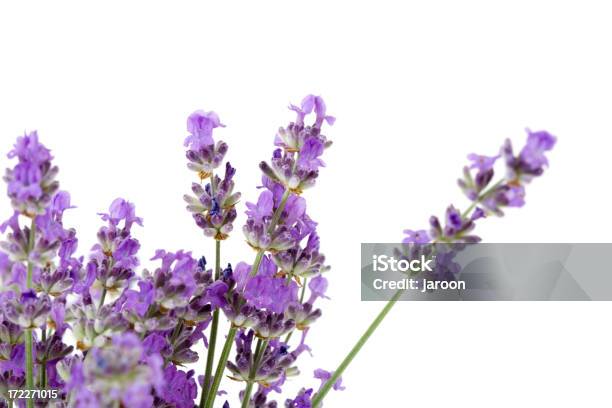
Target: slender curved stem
{"x": 227, "y": 347}
{"x": 43, "y": 365}
{"x": 260, "y": 350}
{"x": 318, "y": 398}
{"x": 247, "y": 394}
{"x": 213, "y": 333}
{"x": 256, "y": 263}
{"x": 481, "y": 197}
{"x": 279, "y": 210}
{"x": 102, "y": 298}
{"x": 29, "y": 361}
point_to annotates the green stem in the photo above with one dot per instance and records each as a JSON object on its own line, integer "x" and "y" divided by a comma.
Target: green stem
{"x": 247, "y": 394}
{"x": 303, "y": 290}
{"x": 227, "y": 347}
{"x": 481, "y": 197}
{"x": 318, "y": 398}
{"x": 279, "y": 210}
{"x": 43, "y": 365}
{"x": 29, "y": 361}
{"x": 102, "y": 298}
{"x": 213, "y": 332}
{"x": 260, "y": 350}
{"x": 257, "y": 262}
{"x": 31, "y": 239}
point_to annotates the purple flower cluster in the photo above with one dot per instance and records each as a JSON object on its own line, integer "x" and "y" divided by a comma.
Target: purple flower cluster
{"x": 266, "y": 299}
{"x": 488, "y": 198}
{"x": 212, "y": 205}
{"x": 134, "y": 331}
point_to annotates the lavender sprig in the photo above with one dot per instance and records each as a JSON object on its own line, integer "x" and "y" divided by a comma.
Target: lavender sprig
{"x": 212, "y": 206}
{"x": 277, "y": 224}
{"x": 35, "y": 194}
{"x": 486, "y": 199}
{"x": 133, "y": 332}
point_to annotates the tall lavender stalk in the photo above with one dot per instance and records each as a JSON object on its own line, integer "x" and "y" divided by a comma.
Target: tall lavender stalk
{"x": 212, "y": 205}
{"x": 134, "y": 331}
{"x": 486, "y": 198}
{"x": 265, "y": 297}
{"x": 38, "y": 285}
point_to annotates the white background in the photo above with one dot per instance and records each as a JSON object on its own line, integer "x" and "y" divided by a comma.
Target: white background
{"x": 415, "y": 87}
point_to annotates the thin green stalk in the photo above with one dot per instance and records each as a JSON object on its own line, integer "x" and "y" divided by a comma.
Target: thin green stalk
{"x": 303, "y": 290}
{"x": 279, "y": 210}
{"x": 29, "y": 361}
{"x": 31, "y": 239}
{"x": 260, "y": 350}
{"x": 102, "y": 298}
{"x": 227, "y": 347}
{"x": 229, "y": 341}
{"x": 318, "y": 398}
{"x": 256, "y": 263}
{"x": 247, "y": 394}
{"x": 43, "y": 364}
{"x": 480, "y": 198}
{"x": 213, "y": 332}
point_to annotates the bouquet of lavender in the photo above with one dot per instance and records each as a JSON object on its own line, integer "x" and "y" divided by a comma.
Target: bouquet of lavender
{"x": 98, "y": 333}
{"x": 94, "y": 331}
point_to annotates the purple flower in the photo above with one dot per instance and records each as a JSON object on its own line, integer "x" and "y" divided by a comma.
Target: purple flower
{"x": 138, "y": 302}
{"x": 30, "y": 311}
{"x": 310, "y": 103}
{"x": 29, "y": 149}
{"x": 318, "y": 287}
{"x": 31, "y": 183}
{"x": 505, "y": 196}
{"x": 302, "y": 262}
{"x": 275, "y": 364}
{"x": 285, "y": 171}
{"x": 482, "y": 163}
{"x": 200, "y": 126}
{"x": 213, "y": 206}
{"x": 309, "y": 154}
{"x": 416, "y": 237}
{"x": 261, "y": 211}
{"x": 457, "y": 228}
{"x": 122, "y": 210}
{"x": 486, "y": 198}
{"x": 266, "y": 291}
{"x": 174, "y": 281}
{"x": 179, "y": 388}
{"x": 303, "y": 399}
{"x": 215, "y": 294}
{"x": 155, "y": 343}
{"x": 304, "y": 315}
{"x": 531, "y": 160}
{"x": 324, "y": 376}
{"x": 103, "y": 369}
{"x": 537, "y": 144}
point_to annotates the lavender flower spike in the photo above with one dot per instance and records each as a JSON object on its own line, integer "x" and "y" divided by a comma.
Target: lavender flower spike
{"x": 486, "y": 200}
{"x": 203, "y": 154}
{"x": 31, "y": 183}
